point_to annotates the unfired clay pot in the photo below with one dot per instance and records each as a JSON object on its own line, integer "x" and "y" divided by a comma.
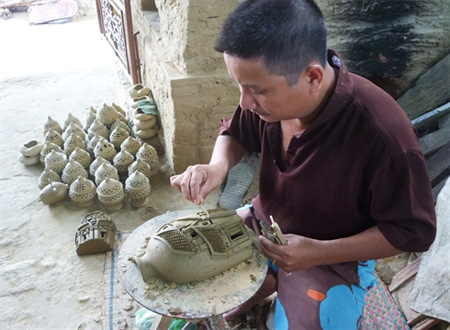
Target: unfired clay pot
{"x": 89, "y": 118}
{"x": 74, "y": 129}
{"x": 119, "y": 109}
{"x": 121, "y": 161}
{"x": 29, "y": 161}
{"x": 141, "y": 166}
{"x": 47, "y": 176}
{"x": 137, "y": 187}
{"x": 48, "y": 147}
{"x": 72, "y": 171}
{"x": 56, "y": 160}
{"x": 105, "y": 149}
{"x": 117, "y": 136}
{"x": 82, "y": 192}
{"x": 111, "y": 194}
{"x": 71, "y": 119}
{"x": 52, "y": 124}
{"x": 90, "y": 146}
{"x": 98, "y": 127}
{"x": 138, "y": 90}
{"x": 131, "y": 145}
{"x": 104, "y": 171}
{"x": 96, "y": 164}
{"x": 107, "y": 115}
{"x": 81, "y": 156}
{"x": 121, "y": 124}
{"x": 54, "y": 137}
{"x": 72, "y": 142}
{"x": 54, "y": 192}
{"x": 148, "y": 154}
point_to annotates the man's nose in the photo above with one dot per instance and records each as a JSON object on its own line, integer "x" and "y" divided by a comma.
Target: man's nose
{"x": 247, "y": 100}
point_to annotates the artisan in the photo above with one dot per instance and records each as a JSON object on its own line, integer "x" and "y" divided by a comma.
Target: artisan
{"x": 341, "y": 167}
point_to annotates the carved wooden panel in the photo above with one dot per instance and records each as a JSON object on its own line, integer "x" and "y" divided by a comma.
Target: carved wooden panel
{"x": 115, "y": 22}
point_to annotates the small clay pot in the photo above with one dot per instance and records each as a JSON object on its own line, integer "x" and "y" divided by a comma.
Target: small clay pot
{"x": 74, "y": 129}
{"x": 54, "y": 192}
{"x": 48, "y": 176}
{"x": 106, "y": 115}
{"x": 81, "y": 156}
{"x": 54, "y": 137}
{"x": 29, "y": 161}
{"x": 148, "y": 154}
{"x": 111, "y": 194}
{"x": 89, "y": 119}
{"x": 137, "y": 187}
{"x": 52, "y": 124}
{"x": 98, "y": 127}
{"x": 104, "y": 171}
{"x": 96, "y": 164}
{"x": 72, "y": 171}
{"x": 72, "y": 142}
{"x": 48, "y": 147}
{"x": 141, "y": 166}
{"x": 71, "y": 119}
{"x": 31, "y": 149}
{"x": 131, "y": 145}
{"x": 117, "y": 136}
{"x": 56, "y": 160}
{"x": 105, "y": 149}
{"x": 82, "y": 192}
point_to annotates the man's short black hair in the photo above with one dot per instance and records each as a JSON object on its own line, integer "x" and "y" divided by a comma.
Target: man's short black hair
{"x": 287, "y": 34}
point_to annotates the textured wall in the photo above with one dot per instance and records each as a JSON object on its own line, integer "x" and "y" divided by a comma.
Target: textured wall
{"x": 188, "y": 78}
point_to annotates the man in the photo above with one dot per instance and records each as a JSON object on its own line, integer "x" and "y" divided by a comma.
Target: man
{"x": 341, "y": 170}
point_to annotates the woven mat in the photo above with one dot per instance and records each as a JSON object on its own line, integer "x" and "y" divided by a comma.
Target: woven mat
{"x": 118, "y": 307}
{"x": 381, "y": 311}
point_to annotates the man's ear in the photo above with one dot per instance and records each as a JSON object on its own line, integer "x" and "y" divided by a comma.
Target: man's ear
{"x": 314, "y": 75}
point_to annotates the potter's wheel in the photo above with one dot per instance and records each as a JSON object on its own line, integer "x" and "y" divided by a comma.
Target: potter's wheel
{"x": 205, "y": 299}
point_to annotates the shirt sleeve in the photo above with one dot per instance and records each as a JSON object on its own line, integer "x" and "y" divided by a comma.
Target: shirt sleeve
{"x": 245, "y": 127}
{"x": 402, "y": 202}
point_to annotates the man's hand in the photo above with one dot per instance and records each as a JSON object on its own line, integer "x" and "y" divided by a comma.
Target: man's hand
{"x": 198, "y": 181}
{"x": 299, "y": 253}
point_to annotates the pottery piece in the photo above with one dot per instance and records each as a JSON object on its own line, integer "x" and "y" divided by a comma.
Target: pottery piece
{"x": 47, "y": 176}
{"x": 89, "y": 118}
{"x": 117, "y": 136}
{"x": 52, "y": 124}
{"x": 31, "y": 148}
{"x": 137, "y": 187}
{"x": 134, "y": 102}
{"x": 54, "y": 192}
{"x": 48, "y": 147}
{"x": 196, "y": 247}
{"x": 81, "y": 156}
{"x": 98, "y": 127}
{"x": 148, "y": 154}
{"x": 29, "y": 161}
{"x": 72, "y": 142}
{"x": 121, "y": 161}
{"x": 106, "y": 115}
{"x": 119, "y": 109}
{"x": 90, "y": 146}
{"x": 105, "y": 170}
{"x": 72, "y": 171}
{"x": 138, "y": 90}
{"x": 54, "y": 137}
{"x": 56, "y": 161}
{"x": 111, "y": 194}
{"x": 96, "y": 234}
{"x": 82, "y": 192}
{"x": 121, "y": 124}
{"x": 74, "y": 129}
{"x": 144, "y": 124}
{"x": 138, "y": 114}
{"x": 71, "y": 119}
{"x": 96, "y": 164}
{"x": 146, "y": 133}
{"x": 131, "y": 145}
{"x": 141, "y": 166}
{"x": 105, "y": 149}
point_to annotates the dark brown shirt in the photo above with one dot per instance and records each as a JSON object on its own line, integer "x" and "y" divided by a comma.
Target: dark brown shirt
{"x": 359, "y": 164}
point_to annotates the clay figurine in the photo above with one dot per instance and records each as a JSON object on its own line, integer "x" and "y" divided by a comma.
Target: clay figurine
{"x": 96, "y": 234}
{"x": 196, "y": 247}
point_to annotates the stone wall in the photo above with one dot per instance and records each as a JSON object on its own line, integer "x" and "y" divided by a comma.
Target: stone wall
{"x": 187, "y": 76}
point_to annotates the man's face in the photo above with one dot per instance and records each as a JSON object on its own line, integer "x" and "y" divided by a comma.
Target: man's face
{"x": 269, "y": 96}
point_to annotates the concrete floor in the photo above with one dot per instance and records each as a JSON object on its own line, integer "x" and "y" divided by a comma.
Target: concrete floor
{"x": 51, "y": 70}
